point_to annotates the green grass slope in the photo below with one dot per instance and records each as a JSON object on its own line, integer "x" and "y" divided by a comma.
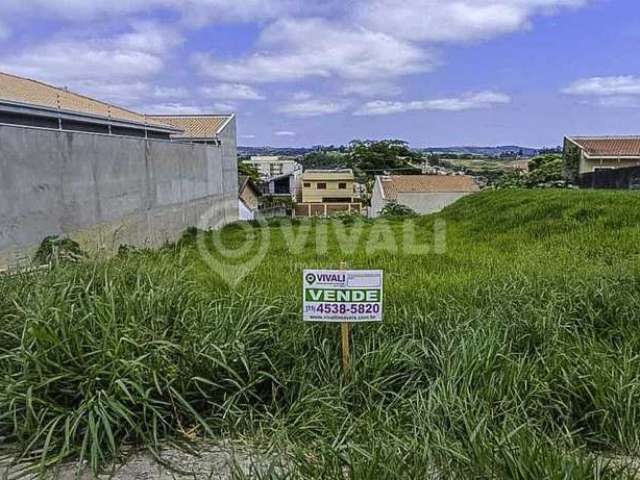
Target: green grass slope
{"x": 512, "y": 350}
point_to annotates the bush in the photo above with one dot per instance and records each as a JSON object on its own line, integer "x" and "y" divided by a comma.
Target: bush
{"x": 395, "y": 209}
{"x": 54, "y": 250}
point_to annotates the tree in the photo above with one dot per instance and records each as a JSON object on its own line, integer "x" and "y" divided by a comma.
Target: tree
{"x": 371, "y": 157}
{"x": 250, "y": 171}
{"x": 544, "y": 169}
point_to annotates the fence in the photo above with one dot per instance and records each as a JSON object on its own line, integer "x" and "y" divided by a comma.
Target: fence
{"x": 618, "y": 178}
{"x": 326, "y": 209}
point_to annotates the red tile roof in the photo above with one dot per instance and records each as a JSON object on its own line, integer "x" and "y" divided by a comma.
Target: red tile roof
{"x": 608, "y": 146}
{"x": 395, "y": 184}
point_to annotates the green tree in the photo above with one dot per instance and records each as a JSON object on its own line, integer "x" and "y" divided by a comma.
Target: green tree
{"x": 250, "y": 171}
{"x": 370, "y": 157}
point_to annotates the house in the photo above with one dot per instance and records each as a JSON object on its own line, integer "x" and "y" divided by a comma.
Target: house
{"x": 104, "y": 175}
{"x": 248, "y": 198}
{"x": 328, "y": 186}
{"x": 327, "y": 192}
{"x": 422, "y": 193}
{"x": 584, "y": 155}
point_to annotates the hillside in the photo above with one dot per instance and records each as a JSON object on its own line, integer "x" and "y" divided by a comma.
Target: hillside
{"x": 512, "y": 353}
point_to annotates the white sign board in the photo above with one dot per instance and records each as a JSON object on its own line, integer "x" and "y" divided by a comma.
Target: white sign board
{"x": 342, "y": 295}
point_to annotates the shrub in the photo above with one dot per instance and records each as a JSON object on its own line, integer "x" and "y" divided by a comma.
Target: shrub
{"x": 395, "y": 209}
{"x": 54, "y": 250}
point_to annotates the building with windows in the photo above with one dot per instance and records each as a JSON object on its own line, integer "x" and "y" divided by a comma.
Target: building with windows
{"x": 327, "y": 192}
{"x": 280, "y": 176}
{"x": 328, "y": 186}
{"x": 273, "y": 166}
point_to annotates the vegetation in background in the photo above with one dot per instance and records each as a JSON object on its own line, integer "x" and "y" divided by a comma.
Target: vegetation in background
{"x": 370, "y": 157}
{"x": 325, "y": 160}
{"x": 544, "y": 171}
{"x": 571, "y": 161}
{"x": 514, "y": 355}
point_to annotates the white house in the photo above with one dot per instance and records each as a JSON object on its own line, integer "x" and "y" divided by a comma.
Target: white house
{"x": 422, "y": 193}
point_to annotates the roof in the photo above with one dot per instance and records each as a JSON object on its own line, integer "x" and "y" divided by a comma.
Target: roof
{"x": 246, "y": 181}
{"x": 26, "y": 91}
{"x": 394, "y": 184}
{"x": 195, "y": 126}
{"x": 608, "y": 146}
{"x": 345, "y": 174}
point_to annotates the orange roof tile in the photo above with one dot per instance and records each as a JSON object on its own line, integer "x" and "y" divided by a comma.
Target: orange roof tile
{"x": 27, "y": 91}
{"x": 194, "y": 126}
{"x": 395, "y": 184}
{"x": 609, "y": 146}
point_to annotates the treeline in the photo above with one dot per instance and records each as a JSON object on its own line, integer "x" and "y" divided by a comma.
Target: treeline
{"x": 367, "y": 158}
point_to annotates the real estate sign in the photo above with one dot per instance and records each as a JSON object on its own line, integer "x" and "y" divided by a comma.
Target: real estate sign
{"x": 342, "y": 296}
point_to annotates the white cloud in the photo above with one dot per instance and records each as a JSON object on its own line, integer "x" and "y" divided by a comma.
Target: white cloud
{"x": 453, "y": 21}
{"x": 297, "y": 49}
{"x": 284, "y": 133}
{"x": 312, "y": 108}
{"x": 134, "y": 55}
{"x": 605, "y": 86}
{"x": 247, "y": 136}
{"x": 223, "y": 107}
{"x": 170, "y": 92}
{"x": 171, "y": 108}
{"x": 472, "y": 101}
{"x": 195, "y": 11}
{"x": 372, "y": 89}
{"x": 229, "y": 91}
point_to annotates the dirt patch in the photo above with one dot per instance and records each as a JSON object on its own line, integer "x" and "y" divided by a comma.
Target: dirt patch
{"x": 210, "y": 462}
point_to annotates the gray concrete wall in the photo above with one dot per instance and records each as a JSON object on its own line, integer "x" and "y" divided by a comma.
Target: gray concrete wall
{"x": 424, "y": 203}
{"x": 104, "y": 191}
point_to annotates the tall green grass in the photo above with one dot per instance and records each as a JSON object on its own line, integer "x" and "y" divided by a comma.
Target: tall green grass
{"x": 515, "y": 354}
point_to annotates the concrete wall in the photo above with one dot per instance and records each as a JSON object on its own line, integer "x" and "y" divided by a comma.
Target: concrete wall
{"x": 104, "y": 191}
{"x": 422, "y": 203}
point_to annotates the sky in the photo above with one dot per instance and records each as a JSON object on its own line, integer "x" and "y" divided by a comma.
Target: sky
{"x": 309, "y": 72}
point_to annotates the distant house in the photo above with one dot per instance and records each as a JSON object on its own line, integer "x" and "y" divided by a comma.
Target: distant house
{"x": 248, "y": 195}
{"x": 588, "y": 154}
{"x": 422, "y": 193}
{"x": 327, "y": 192}
{"x": 328, "y": 186}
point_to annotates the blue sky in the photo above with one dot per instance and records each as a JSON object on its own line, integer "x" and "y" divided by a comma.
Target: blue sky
{"x": 305, "y": 72}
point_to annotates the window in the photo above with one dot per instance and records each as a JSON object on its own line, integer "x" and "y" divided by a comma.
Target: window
{"x": 307, "y": 185}
{"x": 342, "y": 186}
{"x": 322, "y": 186}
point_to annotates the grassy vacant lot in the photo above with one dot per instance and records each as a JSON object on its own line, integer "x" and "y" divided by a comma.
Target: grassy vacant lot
{"x": 515, "y": 354}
